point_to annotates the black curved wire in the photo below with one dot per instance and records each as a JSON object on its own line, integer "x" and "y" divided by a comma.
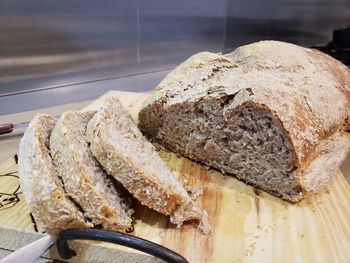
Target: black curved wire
{"x": 116, "y": 238}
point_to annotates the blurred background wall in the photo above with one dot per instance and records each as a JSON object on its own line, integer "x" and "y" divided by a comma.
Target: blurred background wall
{"x": 75, "y": 50}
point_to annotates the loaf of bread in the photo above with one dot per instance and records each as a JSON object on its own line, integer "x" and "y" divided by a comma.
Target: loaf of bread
{"x": 273, "y": 114}
{"x": 40, "y": 183}
{"x": 84, "y": 180}
{"x": 124, "y": 153}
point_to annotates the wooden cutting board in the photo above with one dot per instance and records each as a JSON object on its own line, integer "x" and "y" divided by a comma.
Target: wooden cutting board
{"x": 248, "y": 225}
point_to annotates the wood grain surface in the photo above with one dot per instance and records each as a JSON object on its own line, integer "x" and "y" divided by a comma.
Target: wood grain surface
{"x": 248, "y": 225}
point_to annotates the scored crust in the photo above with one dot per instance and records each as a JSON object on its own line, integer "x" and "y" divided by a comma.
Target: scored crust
{"x": 40, "y": 183}
{"x": 84, "y": 180}
{"x": 124, "y": 153}
{"x": 306, "y": 93}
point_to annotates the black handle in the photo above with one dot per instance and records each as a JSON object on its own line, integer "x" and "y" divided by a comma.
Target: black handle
{"x": 6, "y": 128}
{"x": 116, "y": 238}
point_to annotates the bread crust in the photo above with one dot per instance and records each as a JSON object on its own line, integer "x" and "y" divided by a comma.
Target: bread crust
{"x": 125, "y": 154}
{"x": 39, "y": 180}
{"x": 83, "y": 178}
{"x": 306, "y": 91}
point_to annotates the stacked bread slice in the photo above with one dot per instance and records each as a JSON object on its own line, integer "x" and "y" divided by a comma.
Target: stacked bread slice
{"x": 40, "y": 182}
{"x": 125, "y": 154}
{"x": 70, "y": 170}
{"x": 84, "y": 180}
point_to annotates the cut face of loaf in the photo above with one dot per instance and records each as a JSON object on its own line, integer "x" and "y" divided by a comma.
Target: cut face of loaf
{"x": 83, "y": 178}
{"x": 271, "y": 113}
{"x": 40, "y": 183}
{"x": 124, "y": 153}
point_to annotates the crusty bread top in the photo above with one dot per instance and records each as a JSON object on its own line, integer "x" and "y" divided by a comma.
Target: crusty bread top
{"x": 330, "y": 153}
{"x": 306, "y": 89}
{"x": 40, "y": 183}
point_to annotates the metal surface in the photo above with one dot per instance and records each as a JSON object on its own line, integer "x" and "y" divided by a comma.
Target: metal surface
{"x": 303, "y": 22}
{"x": 54, "y": 43}
{"x": 54, "y": 46}
{"x": 43, "y": 98}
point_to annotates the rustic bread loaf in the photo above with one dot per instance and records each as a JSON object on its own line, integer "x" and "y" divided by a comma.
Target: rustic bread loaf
{"x": 40, "y": 183}
{"x": 84, "y": 180}
{"x": 124, "y": 153}
{"x": 271, "y": 113}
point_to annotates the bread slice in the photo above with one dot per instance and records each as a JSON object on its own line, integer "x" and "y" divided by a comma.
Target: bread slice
{"x": 40, "y": 183}
{"x": 83, "y": 178}
{"x": 124, "y": 153}
{"x": 273, "y": 114}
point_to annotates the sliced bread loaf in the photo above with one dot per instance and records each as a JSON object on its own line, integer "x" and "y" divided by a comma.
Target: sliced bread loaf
{"x": 124, "y": 153}
{"x": 271, "y": 113}
{"x": 40, "y": 183}
{"x": 83, "y": 178}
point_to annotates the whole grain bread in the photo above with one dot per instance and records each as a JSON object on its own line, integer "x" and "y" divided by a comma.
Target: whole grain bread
{"x": 124, "y": 153}
{"x": 273, "y": 114}
{"x": 40, "y": 183}
{"x": 84, "y": 180}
